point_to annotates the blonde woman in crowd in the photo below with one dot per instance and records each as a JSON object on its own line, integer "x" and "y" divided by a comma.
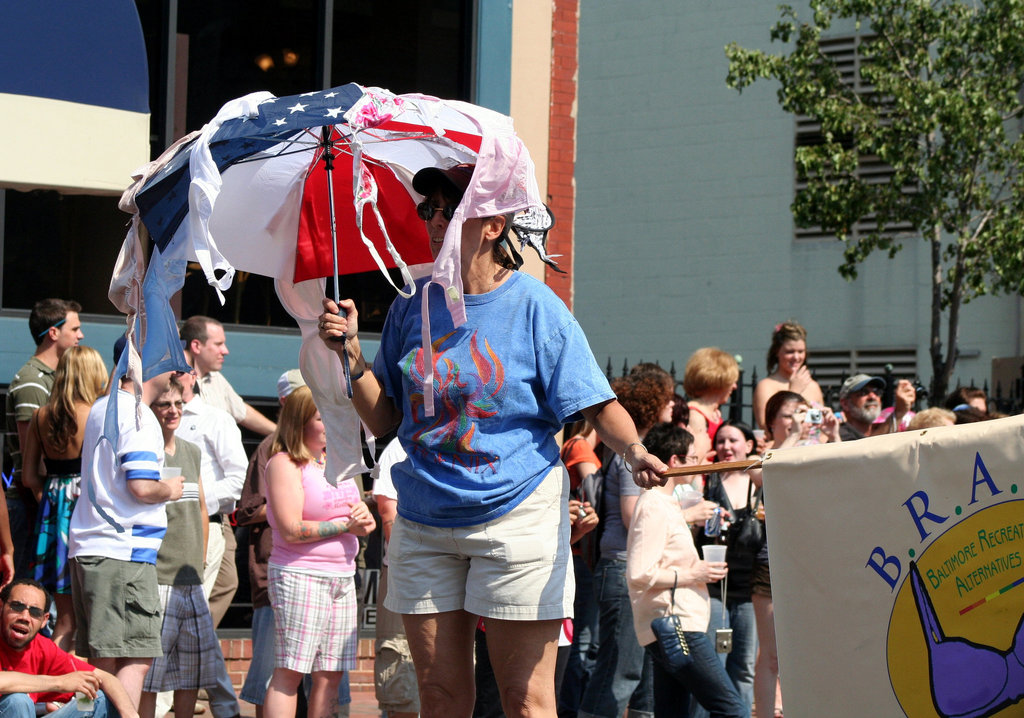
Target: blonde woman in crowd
{"x": 54, "y": 443}
{"x": 935, "y": 416}
{"x": 312, "y": 563}
{"x": 710, "y": 378}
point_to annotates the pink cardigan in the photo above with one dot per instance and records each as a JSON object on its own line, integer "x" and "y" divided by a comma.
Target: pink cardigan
{"x": 659, "y": 540}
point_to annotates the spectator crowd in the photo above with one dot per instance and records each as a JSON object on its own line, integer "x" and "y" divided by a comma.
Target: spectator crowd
{"x": 498, "y": 596}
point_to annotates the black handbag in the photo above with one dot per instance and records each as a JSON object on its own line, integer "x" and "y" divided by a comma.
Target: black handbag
{"x": 746, "y": 533}
{"x": 668, "y": 631}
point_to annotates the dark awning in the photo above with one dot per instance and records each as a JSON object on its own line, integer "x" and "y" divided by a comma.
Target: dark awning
{"x": 74, "y": 95}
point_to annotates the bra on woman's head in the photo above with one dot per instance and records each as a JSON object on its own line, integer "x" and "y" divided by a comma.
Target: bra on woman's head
{"x": 968, "y": 680}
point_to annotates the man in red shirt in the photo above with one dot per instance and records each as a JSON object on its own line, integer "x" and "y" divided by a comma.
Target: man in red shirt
{"x": 33, "y": 670}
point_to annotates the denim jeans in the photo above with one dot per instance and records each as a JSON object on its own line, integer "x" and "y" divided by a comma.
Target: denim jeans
{"x": 704, "y": 678}
{"x": 20, "y": 705}
{"x": 739, "y": 663}
{"x": 621, "y": 673}
{"x": 584, "y": 641}
{"x": 223, "y": 701}
{"x": 262, "y": 666}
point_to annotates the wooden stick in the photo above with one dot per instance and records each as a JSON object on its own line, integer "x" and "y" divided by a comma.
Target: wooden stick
{"x": 712, "y": 468}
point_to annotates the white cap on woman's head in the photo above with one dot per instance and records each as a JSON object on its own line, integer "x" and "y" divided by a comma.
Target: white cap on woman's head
{"x": 289, "y": 382}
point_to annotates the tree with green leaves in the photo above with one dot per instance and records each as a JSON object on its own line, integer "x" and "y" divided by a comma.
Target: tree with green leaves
{"x": 940, "y": 103}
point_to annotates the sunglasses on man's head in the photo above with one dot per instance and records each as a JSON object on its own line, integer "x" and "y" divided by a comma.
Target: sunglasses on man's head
{"x": 19, "y": 607}
{"x": 426, "y": 211}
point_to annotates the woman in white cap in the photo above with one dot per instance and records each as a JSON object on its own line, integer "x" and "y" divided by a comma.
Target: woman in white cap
{"x": 483, "y": 525}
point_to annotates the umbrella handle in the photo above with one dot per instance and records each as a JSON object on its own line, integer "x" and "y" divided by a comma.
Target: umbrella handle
{"x": 344, "y": 362}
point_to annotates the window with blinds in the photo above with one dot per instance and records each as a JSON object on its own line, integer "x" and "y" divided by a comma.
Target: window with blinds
{"x": 845, "y": 52}
{"x": 832, "y": 366}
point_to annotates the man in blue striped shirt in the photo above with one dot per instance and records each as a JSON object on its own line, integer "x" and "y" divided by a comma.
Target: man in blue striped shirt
{"x": 115, "y": 533}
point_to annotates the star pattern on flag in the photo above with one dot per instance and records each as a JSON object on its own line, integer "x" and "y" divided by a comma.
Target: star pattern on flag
{"x": 282, "y": 115}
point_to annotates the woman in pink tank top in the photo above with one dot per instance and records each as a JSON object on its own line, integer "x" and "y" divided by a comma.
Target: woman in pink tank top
{"x": 312, "y": 564}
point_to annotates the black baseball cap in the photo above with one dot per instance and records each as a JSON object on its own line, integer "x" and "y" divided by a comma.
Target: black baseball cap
{"x": 452, "y": 181}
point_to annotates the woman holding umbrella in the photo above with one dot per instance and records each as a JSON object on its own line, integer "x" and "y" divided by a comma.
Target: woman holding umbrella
{"x": 483, "y": 528}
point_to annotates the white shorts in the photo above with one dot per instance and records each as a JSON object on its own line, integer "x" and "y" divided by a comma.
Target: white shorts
{"x": 516, "y": 567}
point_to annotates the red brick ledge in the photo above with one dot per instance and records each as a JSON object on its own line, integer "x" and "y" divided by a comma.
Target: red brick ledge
{"x": 238, "y": 656}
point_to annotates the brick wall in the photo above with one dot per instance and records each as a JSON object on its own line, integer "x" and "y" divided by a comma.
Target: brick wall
{"x": 562, "y": 143}
{"x": 238, "y": 656}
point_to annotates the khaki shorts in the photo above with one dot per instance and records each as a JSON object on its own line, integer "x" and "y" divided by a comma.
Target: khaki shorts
{"x": 394, "y": 675}
{"x": 117, "y": 608}
{"x": 516, "y": 567}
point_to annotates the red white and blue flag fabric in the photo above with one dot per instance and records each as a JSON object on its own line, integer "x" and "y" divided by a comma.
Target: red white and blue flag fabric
{"x": 272, "y": 204}
{"x": 250, "y": 192}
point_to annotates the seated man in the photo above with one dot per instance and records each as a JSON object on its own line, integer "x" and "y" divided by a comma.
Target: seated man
{"x": 33, "y": 670}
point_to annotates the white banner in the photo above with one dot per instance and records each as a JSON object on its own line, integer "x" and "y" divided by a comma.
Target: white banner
{"x": 897, "y": 573}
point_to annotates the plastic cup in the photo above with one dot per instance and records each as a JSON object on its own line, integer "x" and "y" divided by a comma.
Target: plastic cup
{"x": 169, "y": 472}
{"x": 84, "y": 703}
{"x": 714, "y": 553}
{"x": 759, "y": 434}
{"x": 689, "y": 498}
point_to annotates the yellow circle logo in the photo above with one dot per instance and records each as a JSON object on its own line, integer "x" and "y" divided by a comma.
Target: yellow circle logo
{"x": 956, "y": 634}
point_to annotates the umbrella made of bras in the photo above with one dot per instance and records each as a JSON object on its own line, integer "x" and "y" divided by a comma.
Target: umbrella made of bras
{"x": 305, "y": 187}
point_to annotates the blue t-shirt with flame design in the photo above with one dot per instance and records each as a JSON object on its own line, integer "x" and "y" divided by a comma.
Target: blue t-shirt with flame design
{"x": 504, "y": 383}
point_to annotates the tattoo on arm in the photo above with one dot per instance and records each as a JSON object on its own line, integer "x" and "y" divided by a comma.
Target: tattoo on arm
{"x": 310, "y": 530}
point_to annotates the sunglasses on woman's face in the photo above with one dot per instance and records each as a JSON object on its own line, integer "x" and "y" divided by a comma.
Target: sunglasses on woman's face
{"x": 426, "y": 211}
{"x": 19, "y": 607}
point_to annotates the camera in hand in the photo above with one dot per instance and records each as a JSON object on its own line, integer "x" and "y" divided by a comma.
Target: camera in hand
{"x": 814, "y": 416}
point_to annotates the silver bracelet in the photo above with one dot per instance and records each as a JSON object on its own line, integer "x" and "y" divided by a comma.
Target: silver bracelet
{"x": 626, "y": 451}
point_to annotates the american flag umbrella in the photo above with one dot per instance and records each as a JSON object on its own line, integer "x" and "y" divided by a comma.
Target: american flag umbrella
{"x": 284, "y": 187}
{"x": 310, "y": 186}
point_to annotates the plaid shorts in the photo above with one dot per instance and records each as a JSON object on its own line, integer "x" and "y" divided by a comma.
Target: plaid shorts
{"x": 314, "y": 620}
{"x": 191, "y": 651}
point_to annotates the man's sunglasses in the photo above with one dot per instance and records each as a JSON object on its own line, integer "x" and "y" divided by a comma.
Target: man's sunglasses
{"x": 426, "y": 211}
{"x": 19, "y": 607}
